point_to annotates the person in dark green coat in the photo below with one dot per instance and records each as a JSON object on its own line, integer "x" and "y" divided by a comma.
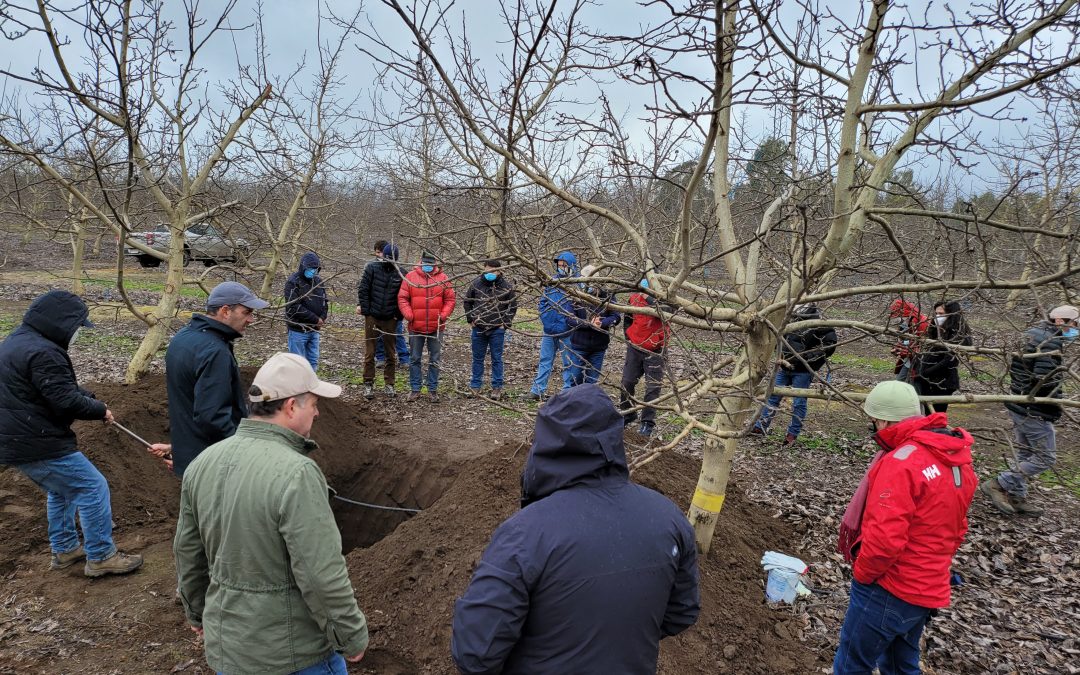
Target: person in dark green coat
{"x": 258, "y": 554}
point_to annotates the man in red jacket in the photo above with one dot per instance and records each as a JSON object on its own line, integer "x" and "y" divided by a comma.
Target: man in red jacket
{"x": 913, "y": 522}
{"x": 426, "y": 300}
{"x": 647, "y": 336}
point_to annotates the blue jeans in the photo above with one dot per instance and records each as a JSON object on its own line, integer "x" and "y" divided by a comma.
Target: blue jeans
{"x": 73, "y": 483}
{"x": 335, "y": 665}
{"x": 585, "y": 366}
{"x": 550, "y": 346}
{"x": 402, "y": 345}
{"x": 482, "y": 341}
{"x": 879, "y": 630}
{"x": 787, "y": 378}
{"x": 306, "y": 345}
{"x": 417, "y": 341}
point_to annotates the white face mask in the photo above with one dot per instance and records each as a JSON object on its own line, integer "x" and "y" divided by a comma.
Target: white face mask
{"x": 940, "y": 320}
{"x": 74, "y": 336}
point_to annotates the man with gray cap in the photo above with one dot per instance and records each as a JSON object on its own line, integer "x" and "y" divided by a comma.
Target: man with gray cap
{"x": 1038, "y": 372}
{"x": 206, "y": 398}
{"x": 258, "y": 554}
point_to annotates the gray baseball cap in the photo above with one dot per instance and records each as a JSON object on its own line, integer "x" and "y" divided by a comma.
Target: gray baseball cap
{"x": 233, "y": 293}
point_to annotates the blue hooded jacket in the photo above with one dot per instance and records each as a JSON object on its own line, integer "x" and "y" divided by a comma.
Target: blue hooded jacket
{"x": 305, "y": 299}
{"x": 593, "y": 571}
{"x": 555, "y": 304}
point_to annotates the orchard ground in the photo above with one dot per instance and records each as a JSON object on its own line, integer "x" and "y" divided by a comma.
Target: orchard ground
{"x": 459, "y": 461}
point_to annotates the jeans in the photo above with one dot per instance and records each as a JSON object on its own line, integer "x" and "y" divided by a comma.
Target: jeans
{"x": 377, "y": 332}
{"x": 641, "y": 362}
{"x": 550, "y": 346}
{"x": 305, "y": 344}
{"x": 1036, "y": 451}
{"x": 402, "y": 345}
{"x": 73, "y": 483}
{"x": 787, "y": 378}
{"x": 417, "y": 341}
{"x": 585, "y": 367}
{"x": 482, "y": 341}
{"x": 879, "y": 630}
{"x": 335, "y": 665}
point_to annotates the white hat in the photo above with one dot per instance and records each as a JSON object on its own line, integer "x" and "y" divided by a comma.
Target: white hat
{"x": 286, "y": 375}
{"x": 892, "y": 401}
{"x": 1067, "y": 312}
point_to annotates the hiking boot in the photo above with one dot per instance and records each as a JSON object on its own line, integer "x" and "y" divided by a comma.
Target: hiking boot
{"x": 389, "y": 391}
{"x": 63, "y": 560}
{"x": 117, "y": 563}
{"x": 496, "y": 394}
{"x": 627, "y": 420}
{"x": 369, "y": 392}
{"x": 1024, "y": 508}
{"x": 413, "y": 396}
{"x": 790, "y": 439}
{"x": 992, "y": 489}
{"x": 473, "y": 393}
{"x": 646, "y": 429}
{"x": 533, "y": 396}
{"x": 757, "y": 431}
{"x": 434, "y": 396}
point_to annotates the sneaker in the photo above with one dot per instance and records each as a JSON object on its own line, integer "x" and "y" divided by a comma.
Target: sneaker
{"x": 496, "y": 394}
{"x": 63, "y": 560}
{"x": 790, "y": 439}
{"x": 369, "y": 392}
{"x": 389, "y": 391}
{"x": 646, "y": 429}
{"x": 117, "y": 563}
{"x": 1024, "y": 508}
{"x": 434, "y": 396}
{"x": 413, "y": 395}
{"x": 473, "y": 392}
{"x": 992, "y": 489}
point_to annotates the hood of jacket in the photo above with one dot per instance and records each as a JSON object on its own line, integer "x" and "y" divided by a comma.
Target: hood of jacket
{"x": 951, "y": 446}
{"x": 57, "y": 315}
{"x": 571, "y": 260}
{"x": 578, "y": 441}
{"x": 309, "y": 260}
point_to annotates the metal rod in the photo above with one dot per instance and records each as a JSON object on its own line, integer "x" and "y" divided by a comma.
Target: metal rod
{"x": 131, "y": 433}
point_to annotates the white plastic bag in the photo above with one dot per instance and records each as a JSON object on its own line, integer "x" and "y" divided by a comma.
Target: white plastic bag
{"x": 785, "y": 577}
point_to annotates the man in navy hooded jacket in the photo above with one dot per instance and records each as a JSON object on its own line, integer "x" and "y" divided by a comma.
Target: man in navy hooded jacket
{"x": 593, "y": 571}
{"x": 306, "y": 308}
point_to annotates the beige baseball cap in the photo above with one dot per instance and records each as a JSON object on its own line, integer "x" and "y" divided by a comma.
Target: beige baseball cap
{"x": 285, "y": 375}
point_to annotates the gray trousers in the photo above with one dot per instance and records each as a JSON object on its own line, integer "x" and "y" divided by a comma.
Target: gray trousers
{"x": 1036, "y": 451}
{"x": 640, "y": 362}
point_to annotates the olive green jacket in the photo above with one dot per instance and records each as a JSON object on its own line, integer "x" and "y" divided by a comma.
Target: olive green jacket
{"x": 258, "y": 556}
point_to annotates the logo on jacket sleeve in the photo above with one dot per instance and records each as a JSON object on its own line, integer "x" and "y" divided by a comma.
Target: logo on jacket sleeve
{"x": 931, "y": 472}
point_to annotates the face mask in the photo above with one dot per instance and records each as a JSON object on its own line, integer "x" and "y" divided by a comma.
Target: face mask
{"x": 644, "y": 283}
{"x": 940, "y": 320}
{"x": 310, "y": 273}
{"x": 427, "y": 269}
{"x": 491, "y": 276}
{"x": 562, "y": 272}
{"x": 1070, "y": 334}
{"x": 74, "y": 336}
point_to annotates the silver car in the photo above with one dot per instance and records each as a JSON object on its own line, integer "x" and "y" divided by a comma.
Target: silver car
{"x": 202, "y": 241}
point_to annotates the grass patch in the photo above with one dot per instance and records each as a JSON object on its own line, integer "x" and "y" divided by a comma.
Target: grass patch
{"x": 7, "y": 324}
{"x": 871, "y": 363}
{"x": 101, "y": 341}
{"x": 187, "y": 291}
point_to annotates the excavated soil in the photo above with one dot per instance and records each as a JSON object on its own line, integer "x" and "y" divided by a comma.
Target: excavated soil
{"x": 407, "y": 570}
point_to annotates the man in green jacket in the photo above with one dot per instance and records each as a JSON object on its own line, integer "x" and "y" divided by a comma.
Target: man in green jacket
{"x": 258, "y": 554}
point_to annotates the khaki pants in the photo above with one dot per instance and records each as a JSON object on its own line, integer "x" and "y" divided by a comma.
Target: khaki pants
{"x": 374, "y": 330}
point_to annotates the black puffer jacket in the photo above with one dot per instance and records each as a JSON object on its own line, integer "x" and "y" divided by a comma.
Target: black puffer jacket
{"x": 586, "y": 338}
{"x": 39, "y": 396}
{"x": 937, "y": 370}
{"x": 378, "y": 292}
{"x": 1038, "y": 375}
{"x": 810, "y": 346}
{"x": 305, "y": 299}
{"x": 490, "y": 304}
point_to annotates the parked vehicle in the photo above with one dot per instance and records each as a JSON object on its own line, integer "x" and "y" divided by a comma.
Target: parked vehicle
{"x": 201, "y": 242}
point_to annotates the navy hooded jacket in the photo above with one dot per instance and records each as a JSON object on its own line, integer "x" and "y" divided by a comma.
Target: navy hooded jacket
{"x": 305, "y": 299}
{"x": 592, "y": 572}
{"x": 206, "y": 398}
{"x": 555, "y": 304}
{"x": 39, "y": 396}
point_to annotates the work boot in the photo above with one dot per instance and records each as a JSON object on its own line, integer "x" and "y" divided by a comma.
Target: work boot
{"x": 533, "y": 396}
{"x": 474, "y": 392}
{"x": 63, "y": 560}
{"x": 992, "y": 489}
{"x": 117, "y": 563}
{"x": 756, "y": 431}
{"x": 646, "y": 429}
{"x": 369, "y": 391}
{"x": 1023, "y": 507}
{"x": 496, "y": 394}
{"x": 434, "y": 396}
{"x": 790, "y": 439}
{"x": 389, "y": 391}
{"x": 413, "y": 396}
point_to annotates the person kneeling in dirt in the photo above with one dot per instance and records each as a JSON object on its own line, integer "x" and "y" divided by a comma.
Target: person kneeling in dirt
{"x": 592, "y": 572}
{"x": 258, "y": 554}
{"x": 39, "y": 399}
{"x": 1037, "y": 372}
{"x": 903, "y": 527}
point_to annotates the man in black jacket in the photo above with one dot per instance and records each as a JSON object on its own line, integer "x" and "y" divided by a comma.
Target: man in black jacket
{"x": 490, "y": 306}
{"x": 39, "y": 399}
{"x": 306, "y": 308}
{"x": 1037, "y": 372}
{"x": 593, "y": 571}
{"x": 803, "y": 353}
{"x": 206, "y": 397}
{"x": 377, "y": 302}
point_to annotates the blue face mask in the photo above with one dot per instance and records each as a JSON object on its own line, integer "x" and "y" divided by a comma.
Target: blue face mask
{"x": 491, "y": 276}
{"x": 1070, "y": 334}
{"x": 644, "y": 283}
{"x": 310, "y": 273}
{"x": 427, "y": 269}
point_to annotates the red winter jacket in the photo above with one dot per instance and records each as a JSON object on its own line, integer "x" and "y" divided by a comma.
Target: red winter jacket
{"x": 916, "y": 510}
{"x": 647, "y": 332}
{"x": 426, "y": 300}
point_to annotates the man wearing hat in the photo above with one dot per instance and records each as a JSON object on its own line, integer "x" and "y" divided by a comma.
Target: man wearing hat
{"x": 426, "y": 300}
{"x": 206, "y": 398}
{"x": 903, "y": 527}
{"x": 258, "y": 554}
{"x": 1037, "y": 372}
{"x": 39, "y": 399}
